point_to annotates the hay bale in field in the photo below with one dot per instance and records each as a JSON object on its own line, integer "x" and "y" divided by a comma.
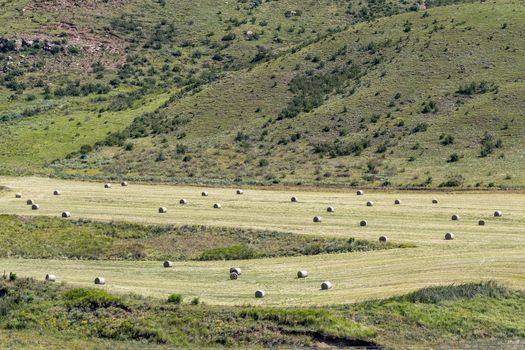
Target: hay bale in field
{"x": 204, "y": 194}
{"x": 236, "y": 270}
{"x": 30, "y": 202}
{"x": 240, "y": 191}
{"x": 330, "y": 209}
{"x": 35, "y": 207}
{"x": 302, "y": 274}
{"x": 363, "y": 223}
{"x": 234, "y": 276}
{"x": 168, "y": 264}
{"x": 260, "y": 294}
{"x": 498, "y": 214}
{"x": 383, "y": 239}
{"x": 397, "y": 201}
{"x": 163, "y": 210}
{"x": 360, "y": 192}
{"x": 56, "y": 193}
{"x": 449, "y": 236}
{"x": 434, "y": 201}
{"x": 455, "y": 217}
{"x": 66, "y": 214}
{"x": 124, "y": 184}
{"x": 18, "y": 195}
{"x": 183, "y": 201}
{"x": 317, "y": 219}
{"x": 481, "y": 222}
{"x": 294, "y": 200}
{"x": 217, "y": 206}
{"x": 369, "y": 204}
{"x": 100, "y": 280}
{"x": 50, "y": 278}
{"x": 326, "y": 285}
{"x": 107, "y": 185}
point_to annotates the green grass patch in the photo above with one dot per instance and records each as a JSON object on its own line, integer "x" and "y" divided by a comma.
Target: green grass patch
{"x": 37, "y": 309}
{"x": 44, "y": 237}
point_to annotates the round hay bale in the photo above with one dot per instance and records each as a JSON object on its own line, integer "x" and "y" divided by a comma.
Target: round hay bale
{"x": 498, "y": 214}
{"x": 234, "y": 276}
{"x": 107, "y": 185}
{"x": 50, "y": 278}
{"x": 18, "y": 195}
{"x": 240, "y": 191}
{"x": 66, "y": 214}
{"x": 35, "y": 207}
{"x": 217, "y": 206}
{"x": 30, "y": 202}
{"x": 236, "y": 270}
{"x": 317, "y": 219}
{"x": 163, "y": 210}
{"x": 302, "y": 274}
{"x": 434, "y": 201}
{"x": 397, "y": 201}
{"x": 330, "y": 209}
{"x": 455, "y": 217}
{"x": 124, "y": 184}
{"x": 481, "y": 222}
{"x": 383, "y": 239}
{"x": 204, "y": 194}
{"x": 168, "y": 264}
{"x": 326, "y": 285}
{"x": 56, "y": 193}
{"x": 363, "y": 223}
{"x": 449, "y": 236}
{"x": 369, "y": 204}
{"x": 294, "y": 200}
{"x": 360, "y": 192}
{"x": 183, "y": 201}
{"x": 100, "y": 280}
{"x": 260, "y": 294}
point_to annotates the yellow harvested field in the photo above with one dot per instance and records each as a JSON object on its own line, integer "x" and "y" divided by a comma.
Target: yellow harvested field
{"x": 494, "y": 251}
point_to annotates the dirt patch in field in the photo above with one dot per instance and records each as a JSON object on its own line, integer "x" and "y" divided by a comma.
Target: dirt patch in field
{"x": 94, "y": 47}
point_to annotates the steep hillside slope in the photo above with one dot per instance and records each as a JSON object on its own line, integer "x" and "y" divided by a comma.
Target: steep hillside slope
{"x": 427, "y": 98}
{"x": 72, "y": 71}
{"x": 329, "y": 92}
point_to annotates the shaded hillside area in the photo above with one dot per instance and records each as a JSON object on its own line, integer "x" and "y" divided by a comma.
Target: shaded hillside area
{"x": 339, "y": 92}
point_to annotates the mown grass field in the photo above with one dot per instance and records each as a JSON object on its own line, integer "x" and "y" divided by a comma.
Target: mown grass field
{"x": 494, "y": 251}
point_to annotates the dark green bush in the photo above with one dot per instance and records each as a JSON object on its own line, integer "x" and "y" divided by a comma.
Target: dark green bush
{"x": 175, "y": 298}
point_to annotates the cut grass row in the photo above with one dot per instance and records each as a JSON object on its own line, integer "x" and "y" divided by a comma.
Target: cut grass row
{"x": 494, "y": 251}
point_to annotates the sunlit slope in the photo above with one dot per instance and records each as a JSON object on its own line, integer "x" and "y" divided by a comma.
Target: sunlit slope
{"x": 436, "y": 98}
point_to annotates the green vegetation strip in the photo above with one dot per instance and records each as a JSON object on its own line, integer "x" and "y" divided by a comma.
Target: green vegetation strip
{"x": 41, "y": 237}
{"x": 463, "y": 315}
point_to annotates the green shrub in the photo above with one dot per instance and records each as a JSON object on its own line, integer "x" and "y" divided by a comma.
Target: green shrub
{"x": 92, "y": 299}
{"x": 175, "y": 298}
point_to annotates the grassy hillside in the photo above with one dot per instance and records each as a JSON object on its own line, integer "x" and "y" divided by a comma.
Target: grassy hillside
{"x": 75, "y": 71}
{"x": 346, "y": 92}
{"x": 34, "y": 312}
{"x": 421, "y": 99}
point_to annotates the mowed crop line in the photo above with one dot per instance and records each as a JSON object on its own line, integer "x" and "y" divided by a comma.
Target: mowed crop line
{"x": 493, "y": 251}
